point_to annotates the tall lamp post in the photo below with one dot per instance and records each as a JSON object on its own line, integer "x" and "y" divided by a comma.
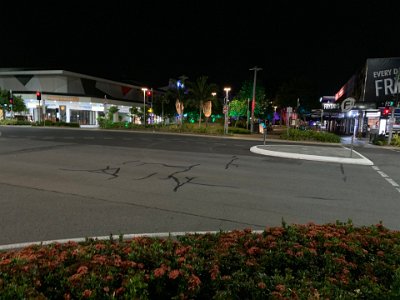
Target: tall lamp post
{"x": 144, "y": 105}
{"x": 393, "y": 109}
{"x": 253, "y": 103}
{"x": 226, "y": 108}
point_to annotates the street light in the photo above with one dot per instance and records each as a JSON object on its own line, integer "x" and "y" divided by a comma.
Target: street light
{"x": 226, "y": 108}
{"x": 253, "y": 103}
{"x": 144, "y": 105}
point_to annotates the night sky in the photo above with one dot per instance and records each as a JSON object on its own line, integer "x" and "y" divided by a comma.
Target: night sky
{"x": 149, "y": 42}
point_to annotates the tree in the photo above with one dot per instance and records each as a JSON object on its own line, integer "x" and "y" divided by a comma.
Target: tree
{"x": 298, "y": 93}
{"x": 18, "y": 104}
{"x": 164, "y": 104}
{"x": 112, "y": 113}
{"x": 237, "y": 109}
{"x": 177, "y": 92}
{"x": 200, "y": 91}
{"x": 262, "y": 103}
{"x": 134, "y": 111}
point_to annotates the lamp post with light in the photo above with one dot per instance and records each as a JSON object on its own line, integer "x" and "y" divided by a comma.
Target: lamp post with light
{"x": 144, "y": 105}
{"x": 226, "y": 108}
{"x": 253, "y": 103}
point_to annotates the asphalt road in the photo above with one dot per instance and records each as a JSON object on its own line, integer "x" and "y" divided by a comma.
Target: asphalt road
{"x": 70, "y": 183}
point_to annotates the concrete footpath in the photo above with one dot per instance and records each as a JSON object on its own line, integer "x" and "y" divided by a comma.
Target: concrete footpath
{"x": 343, "y": 153}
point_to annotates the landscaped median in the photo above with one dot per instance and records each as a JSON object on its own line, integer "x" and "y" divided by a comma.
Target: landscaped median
{"x": 330, "y": 261}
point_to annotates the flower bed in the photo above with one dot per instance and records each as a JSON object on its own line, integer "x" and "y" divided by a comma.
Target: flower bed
{"x": 331, "y": 261}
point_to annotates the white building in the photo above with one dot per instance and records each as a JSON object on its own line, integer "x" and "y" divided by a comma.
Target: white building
{"x": 68, "y": 96}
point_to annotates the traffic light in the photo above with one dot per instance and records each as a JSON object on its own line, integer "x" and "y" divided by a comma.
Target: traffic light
{"x": 38, "y": 95}
{"x": 149, "y": 95}
{"x": 386, "y": 111}
{"x": 11, "y": 99}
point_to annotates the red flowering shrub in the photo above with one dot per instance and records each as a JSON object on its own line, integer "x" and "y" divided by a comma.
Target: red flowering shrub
{"x": 310, "y": 261}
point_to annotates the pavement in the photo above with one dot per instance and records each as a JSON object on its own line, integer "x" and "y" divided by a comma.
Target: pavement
{"x": 343, "y": 153}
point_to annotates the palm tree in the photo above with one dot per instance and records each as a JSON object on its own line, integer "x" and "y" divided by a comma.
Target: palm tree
{"x": 134, "y": 111}
{"x": 201, "y": 92}
{"x": 177, "y": 91}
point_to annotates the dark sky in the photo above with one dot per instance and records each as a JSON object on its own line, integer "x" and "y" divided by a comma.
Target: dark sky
{"x": 151, "y": 41}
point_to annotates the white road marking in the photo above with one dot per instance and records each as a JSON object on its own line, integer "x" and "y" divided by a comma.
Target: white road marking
{"x": 391, "y": 181}
{"x": 382, "y": 174}
{"x": 387, "y": 178}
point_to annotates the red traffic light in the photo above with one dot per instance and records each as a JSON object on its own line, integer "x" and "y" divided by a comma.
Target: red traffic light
{"x": 148, "y": 93}
{"x": 38, "y": 95}
{"x": 386, "y": 111}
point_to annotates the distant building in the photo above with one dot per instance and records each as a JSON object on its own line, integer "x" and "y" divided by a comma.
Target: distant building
{"x": 374, "y": 83}
{"x": 68, "y": 96}
{"x": 374, "y": 86}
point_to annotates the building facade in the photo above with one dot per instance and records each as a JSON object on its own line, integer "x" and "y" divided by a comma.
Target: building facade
{"x": 70, "y": 97}
{"x": 375, "y": 89}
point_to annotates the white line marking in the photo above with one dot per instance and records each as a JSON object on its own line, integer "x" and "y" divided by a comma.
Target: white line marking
{"x": 383, "y": 174}
{"x": 391, "y": 181}
{"x": 387, "y": 178}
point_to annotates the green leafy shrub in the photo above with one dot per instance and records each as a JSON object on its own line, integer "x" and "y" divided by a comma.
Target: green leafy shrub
{"x": 380, "y": 140}
{"x": 14, "y": 122}
{"x": 238, "y": 130}
{"x": 310, "y": 135}
{"x": 56, "y": 124}
{"x": 395, "y": 140}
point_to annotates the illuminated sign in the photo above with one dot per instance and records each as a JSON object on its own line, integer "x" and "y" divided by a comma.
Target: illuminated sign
{"x": 347, "y": 104}
{"x": 328, "y": 106}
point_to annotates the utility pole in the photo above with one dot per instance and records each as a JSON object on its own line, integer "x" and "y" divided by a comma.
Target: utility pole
{"x": 253, "y": 103}
{"x": 151, "y": 105}
{"x": 391, "y": 121}
{"x": 226, "y": 109}
{"x": 248, "y": 114}
{"x": 144, "y": 105}
{"x": 393, "y": 108}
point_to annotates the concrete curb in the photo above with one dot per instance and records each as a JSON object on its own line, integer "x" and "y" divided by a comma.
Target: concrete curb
{"x": 115, "y": 237}
{"x": 342, "y": 160}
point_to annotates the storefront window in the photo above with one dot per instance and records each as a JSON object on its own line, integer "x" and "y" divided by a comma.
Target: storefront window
{"x": 83, "y": 117}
